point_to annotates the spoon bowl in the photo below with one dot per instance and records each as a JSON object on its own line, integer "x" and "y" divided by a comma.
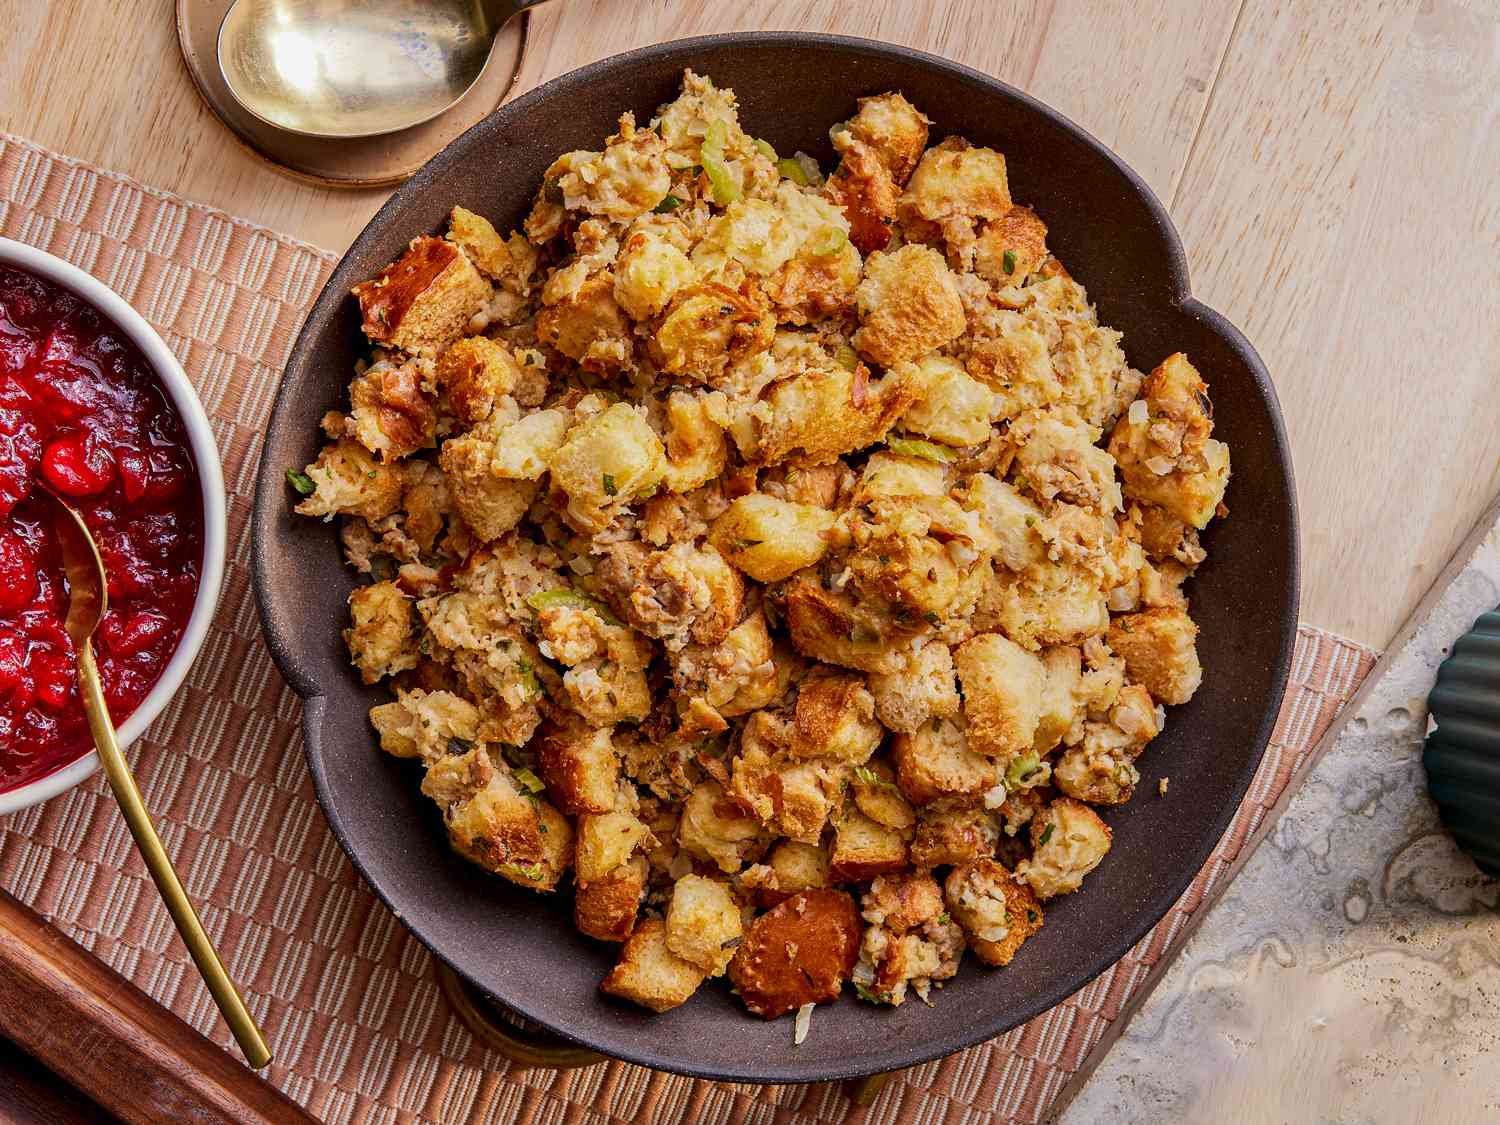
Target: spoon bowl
{"x": 356, "y": 68}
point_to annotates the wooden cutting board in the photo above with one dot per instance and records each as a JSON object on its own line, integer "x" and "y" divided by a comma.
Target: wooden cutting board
{"x": 125, "y": 1053}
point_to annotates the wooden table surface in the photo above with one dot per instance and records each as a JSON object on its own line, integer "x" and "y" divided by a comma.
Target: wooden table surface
{"x": 1331, "y": 168}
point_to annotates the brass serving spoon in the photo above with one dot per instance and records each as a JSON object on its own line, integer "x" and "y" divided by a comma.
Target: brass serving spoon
{"x": 88, "y": 598}
{"x": 356, "y": 68}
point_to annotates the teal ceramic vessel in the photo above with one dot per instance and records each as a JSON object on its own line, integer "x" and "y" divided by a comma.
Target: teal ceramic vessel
{"x": 1462, "y": 755}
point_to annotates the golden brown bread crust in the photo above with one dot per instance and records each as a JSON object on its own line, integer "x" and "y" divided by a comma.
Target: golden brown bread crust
{"x": 579, "y": 766}
{"x": 799, "y": 952}
{"x": 422, "y": 301}
{"x": 606, "y": 908}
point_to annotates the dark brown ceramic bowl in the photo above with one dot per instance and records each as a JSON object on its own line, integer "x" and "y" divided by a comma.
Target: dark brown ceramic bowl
{"x": 1115, "y": 237}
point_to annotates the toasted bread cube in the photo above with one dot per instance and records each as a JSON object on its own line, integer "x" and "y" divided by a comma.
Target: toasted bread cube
{"x": 831, "y": 626}
{"x": 997, "y": 913}
{"x": 587, "y": 325}
{"x": 798, "y": 867}
{"x": 864, "y": 848}
{"x": 579, "y": 765}
{"x": 605, "y": 463}
{"x": 889, "y": 474}
{"x": 697, "y": 449}
{"x": 1068, "y": 841}
{"x": 908, "y": 305}
{"x": 953, "y": 408}
{"x": 1011, "y": 247}
{"x": 1010, "y": 520}
{"x": 390, "y": 414}
{"x": 902, "y": 902}
{"x": 475, "y": 372}
{"x": 650, "y": 974}
{"x": 935, "y": 763}
{"x": 890, "y": 125}
{"x": 771, "y": 539}
{"x": 423, "y": 300}
{"x": 422, "y": 724}
{"x": 489, "y": 503}
{"x": 648, "y": 273}
{"x": 1160, "y": 651}
{"x": 606, "y": 842}
{"x": 956, "y": 180}
{"x": 1061, "y": 703}
{"x": 382, "y": 640}
{"x": 627, "y": 179}
{"x": 1002, "y": 689}
{"x": 864, "y": 189}
{"x": 947, "y": 835}
{"x": 835, "y": 718}
{"x": 349, "y": 481}
{"x": 1164, "y": 451}
{"x": 877, "y": 796}
{"x": 491, "y": 823}
{"x": 709, "y": 326}
{"x": 797, "y": 953}
{"x": 606, "y": 908}
{"x": 922, "y": 688}
{"x": 509, "y": 262}
{"x": 714, "y": 827}
{"x": 703, "y": 923}
{"x": 821, "y": 414}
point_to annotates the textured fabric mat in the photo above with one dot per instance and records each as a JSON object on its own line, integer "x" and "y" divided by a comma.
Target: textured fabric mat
{"x": 343, "y": 992}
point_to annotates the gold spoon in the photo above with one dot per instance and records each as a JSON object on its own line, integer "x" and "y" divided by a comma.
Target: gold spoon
{"x": 356, "y": 68}
{"x": 87, "y": 600}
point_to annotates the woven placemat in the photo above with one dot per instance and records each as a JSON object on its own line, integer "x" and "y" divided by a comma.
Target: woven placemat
{"x": 344, "y": 993}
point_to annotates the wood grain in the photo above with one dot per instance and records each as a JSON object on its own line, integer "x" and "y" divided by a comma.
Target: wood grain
{"x": 92, "y": 1027}
{"x": 1329, "y": 166}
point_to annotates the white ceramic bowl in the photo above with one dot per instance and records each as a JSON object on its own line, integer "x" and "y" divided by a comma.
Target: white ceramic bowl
{"x": 211, "y": 481}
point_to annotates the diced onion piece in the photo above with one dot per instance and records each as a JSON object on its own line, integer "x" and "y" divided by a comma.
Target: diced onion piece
{"x": 995, "y": 796}
{"x": 1159, "y": 465}
{"x": 803, "y": 1022}
{"x": 831, "y": 243}
{"x": 1138, "y": 412}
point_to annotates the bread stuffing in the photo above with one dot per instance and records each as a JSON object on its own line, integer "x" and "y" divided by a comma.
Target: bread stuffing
{"x": 788, "y": 567}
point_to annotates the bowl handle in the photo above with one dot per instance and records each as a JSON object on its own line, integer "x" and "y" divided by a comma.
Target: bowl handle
{"x": 524, "y": 1048}
{"x": 537, "y": 1048}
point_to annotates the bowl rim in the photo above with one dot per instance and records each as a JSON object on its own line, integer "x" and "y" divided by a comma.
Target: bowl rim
{"x": 184, "y": 397}
{"x": 1177, "y": 294}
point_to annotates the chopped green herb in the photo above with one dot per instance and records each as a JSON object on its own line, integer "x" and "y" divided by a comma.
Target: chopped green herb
{"x": 944, "y": 919}
{"x": 528, "y": 679}
{"x": 532, "y": 871}
{"x": 867, "y": 995}
{"x": 746, "y": 544}
{"x": 1032, "y": 916}
{"x": 932, "y": 619}
{"x": 668, "y": 204}
{"x": 609, "y": 485}
{"x": 1008, "y": 261}
{"x": 528, "y": 781}
{"x": 1046, "y": 835}
{"x": 927, "y": 450}
{"x": 301, "y": 482}
{"x": 765, "y": 149}
{"x": 725, "y": 189}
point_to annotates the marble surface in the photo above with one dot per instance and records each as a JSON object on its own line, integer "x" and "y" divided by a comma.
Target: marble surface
{"x": 1351, "y": 973}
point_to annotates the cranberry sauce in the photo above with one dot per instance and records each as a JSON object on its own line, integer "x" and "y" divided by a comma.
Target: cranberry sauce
{"x": 81, "y": 410}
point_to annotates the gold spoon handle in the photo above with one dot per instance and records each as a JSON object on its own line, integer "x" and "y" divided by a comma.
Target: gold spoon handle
{"x": 240, "y": 1021}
